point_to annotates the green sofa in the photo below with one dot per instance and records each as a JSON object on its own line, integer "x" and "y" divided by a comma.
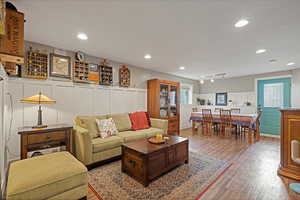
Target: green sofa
{"x": 90, "y": 149}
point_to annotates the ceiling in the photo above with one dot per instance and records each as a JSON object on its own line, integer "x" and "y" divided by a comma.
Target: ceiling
{"x": 199, "y": 34}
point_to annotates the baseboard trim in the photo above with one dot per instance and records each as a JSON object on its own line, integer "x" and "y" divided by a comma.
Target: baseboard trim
{"x": 269, "y": 135}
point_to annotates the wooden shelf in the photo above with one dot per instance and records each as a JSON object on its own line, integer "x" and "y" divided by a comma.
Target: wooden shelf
{"x": 11, "y": 58}
{"x": 81, "y": 72}
{"x": 36, "y": 65}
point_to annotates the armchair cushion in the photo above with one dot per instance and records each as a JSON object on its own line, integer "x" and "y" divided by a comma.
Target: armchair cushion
{"x": 102, "y": 144}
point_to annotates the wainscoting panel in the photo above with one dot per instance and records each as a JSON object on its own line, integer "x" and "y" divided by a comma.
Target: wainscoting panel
{"x": 101, "y": 100}
{"x": 71, "y": 100}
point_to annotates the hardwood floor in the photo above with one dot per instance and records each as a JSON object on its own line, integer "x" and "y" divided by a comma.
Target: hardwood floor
{"x": 253, "y": 175}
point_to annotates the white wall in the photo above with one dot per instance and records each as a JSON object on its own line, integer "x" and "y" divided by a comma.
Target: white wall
{"x": 296, "y": 88}
{"x": 72, "y": 100}
{"x": 238, "y": 101}
{"x": 2, "y": 136}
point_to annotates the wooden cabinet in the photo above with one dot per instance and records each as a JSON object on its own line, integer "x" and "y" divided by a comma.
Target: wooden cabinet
{"x": 290, "y": 130}
{"x": 37, "y": 139}
{"x": 163, "y": 102}
{"x": 12, "y": 43}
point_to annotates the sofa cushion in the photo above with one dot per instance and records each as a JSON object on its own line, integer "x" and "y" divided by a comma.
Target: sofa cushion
{"x": 122, "y": 122}
{"x": 79, "y": 122}
{"x": 150, "y": 132}
{"x": 102, "y": 144}
{"x": 128, "y": 136}
{"x": 139, "y": 120}
{"x": 91, "y": 125}
{"x": 45, "y": 176}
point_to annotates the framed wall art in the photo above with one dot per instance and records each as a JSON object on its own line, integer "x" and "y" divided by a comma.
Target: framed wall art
{"x": 60, "y": 66}
{"x": 221, "y": 99}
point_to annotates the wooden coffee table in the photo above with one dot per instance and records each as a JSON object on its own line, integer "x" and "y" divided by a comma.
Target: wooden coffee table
{"x": 145, "y": 161}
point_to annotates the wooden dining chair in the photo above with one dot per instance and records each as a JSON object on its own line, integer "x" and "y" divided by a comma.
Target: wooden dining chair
{"x": 235, "y": 110}
{"x": 226, "y": 122}
{"x": 217, "y": 110}
{"x": 207, "y": 126}
{"x": 199, "y": 123}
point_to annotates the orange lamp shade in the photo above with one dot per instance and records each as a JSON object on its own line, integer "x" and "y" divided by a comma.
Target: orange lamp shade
{"x": 38, "y": 99}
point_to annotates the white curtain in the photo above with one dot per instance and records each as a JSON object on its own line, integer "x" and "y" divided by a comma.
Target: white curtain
{"x": 273, "y": 95}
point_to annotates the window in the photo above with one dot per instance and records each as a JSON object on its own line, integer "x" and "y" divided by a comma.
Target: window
{"x": 273, "y": 95}
{"x": 186, "y": 94}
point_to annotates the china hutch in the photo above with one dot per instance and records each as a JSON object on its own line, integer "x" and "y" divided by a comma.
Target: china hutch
{"x": 290, "y": 126}
{"x": 163, "y": 102}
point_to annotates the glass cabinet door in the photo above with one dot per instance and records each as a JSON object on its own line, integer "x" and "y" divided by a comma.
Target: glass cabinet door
{"x": 164, "y": 100}
{"x": 173, "y": 101}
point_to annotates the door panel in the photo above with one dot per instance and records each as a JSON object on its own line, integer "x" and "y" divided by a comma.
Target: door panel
{"x": 273, "y": 95}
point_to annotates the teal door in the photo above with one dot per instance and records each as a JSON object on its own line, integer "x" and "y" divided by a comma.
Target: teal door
{"x": 273, "y": 95}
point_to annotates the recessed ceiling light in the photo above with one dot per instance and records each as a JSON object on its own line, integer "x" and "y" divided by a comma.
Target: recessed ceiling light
{"x": 260, "y": 51}
{"x": 241, "y": 23}
{"x": 290, "y": 64}
{"x": 201, "y": 81}
{"x": 82, "y": 36}
{"x": 273, "y": 61}
{"x": 212, "y": 80}
{"x": 182, "y": 67}
{"x": 147, "y": 56}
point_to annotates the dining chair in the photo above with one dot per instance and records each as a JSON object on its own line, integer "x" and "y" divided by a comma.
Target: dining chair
{"x": 227, "y": 123}
{"x": 199, "y": 123}
{"x": 235, "y": 110}
{"x": 217, "y": 110}
{"x": 208, "y": 126}
{"x": 195, "y": 109}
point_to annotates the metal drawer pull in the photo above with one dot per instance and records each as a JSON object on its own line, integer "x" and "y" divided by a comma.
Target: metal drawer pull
{"x": 48, "y": 137}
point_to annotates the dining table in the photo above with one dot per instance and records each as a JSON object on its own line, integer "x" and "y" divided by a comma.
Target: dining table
{"x": 250, "y": 121}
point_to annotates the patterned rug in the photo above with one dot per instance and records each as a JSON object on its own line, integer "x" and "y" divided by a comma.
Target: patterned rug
{"x": 187, "y": 181}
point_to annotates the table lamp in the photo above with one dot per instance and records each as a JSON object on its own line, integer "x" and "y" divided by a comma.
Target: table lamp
{"x": 39, "y": 99}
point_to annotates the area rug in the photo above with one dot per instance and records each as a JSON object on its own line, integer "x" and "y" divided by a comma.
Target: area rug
{"x": 187, "y": 181}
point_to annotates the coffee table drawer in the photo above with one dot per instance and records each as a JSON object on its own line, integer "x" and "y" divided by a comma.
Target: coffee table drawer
{"x": 45, "y": 137}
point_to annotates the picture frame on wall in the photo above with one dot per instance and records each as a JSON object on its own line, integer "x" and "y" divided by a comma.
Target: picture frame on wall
{"x": 221, "y": 99}
{"x": 60, "y": 66}
{"x": 93, "y": 76}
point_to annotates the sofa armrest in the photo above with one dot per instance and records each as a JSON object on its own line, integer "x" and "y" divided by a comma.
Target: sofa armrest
{"x": 83, "y": 145}
{"x": 160, "y": 123}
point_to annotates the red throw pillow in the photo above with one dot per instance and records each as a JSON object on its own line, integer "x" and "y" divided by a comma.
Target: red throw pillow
{"x": 139, "y": 120}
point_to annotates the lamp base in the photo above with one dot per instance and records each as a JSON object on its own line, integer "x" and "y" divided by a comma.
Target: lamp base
{"x": 39, "y": 126}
